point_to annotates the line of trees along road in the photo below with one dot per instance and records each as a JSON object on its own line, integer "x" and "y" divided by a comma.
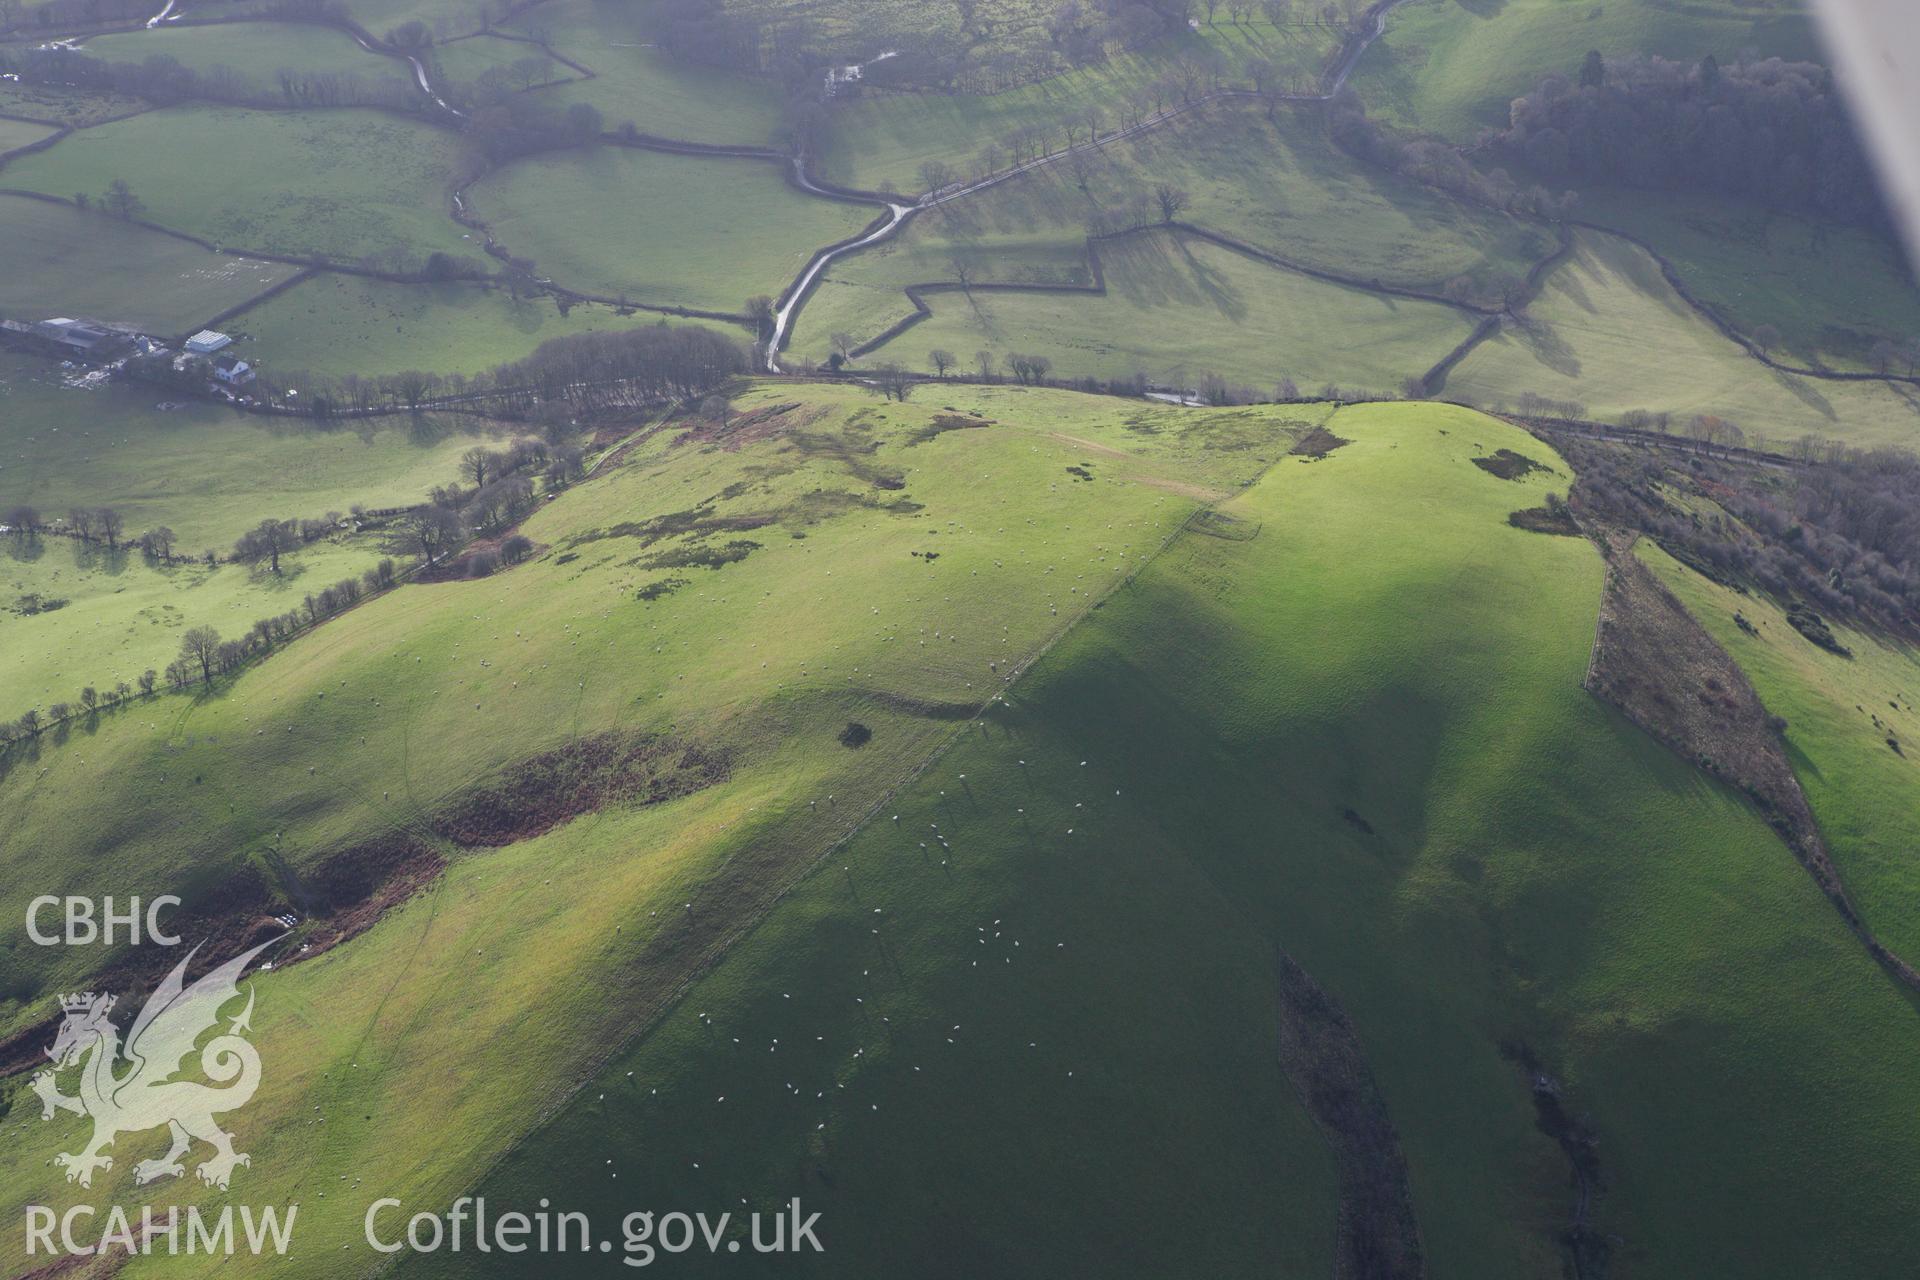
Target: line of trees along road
{"x": 578, "y": 373}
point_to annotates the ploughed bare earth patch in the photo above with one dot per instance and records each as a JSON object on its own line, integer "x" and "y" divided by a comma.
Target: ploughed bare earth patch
{"x": 1508, "y": 465}
{"x": 1659, "y": 666}
{"x": 1317, "y": 442}
{"x": 541, "y": 792}
{"x": 1378, "y": 1237}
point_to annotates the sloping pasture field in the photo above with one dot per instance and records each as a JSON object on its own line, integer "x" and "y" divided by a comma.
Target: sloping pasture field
{"x": 72, "y": 262}
{"x": 345, "y": 184}
{"x": 1451, "y": 67}
{"x": 1003, "y": 1024}
{"x": 1609, "y": 333}
{"x": 836, "y": 557}
{"x": 667, "y": 229}
{"x": 339, "y": 324}
{"x": 1177, "y": 307}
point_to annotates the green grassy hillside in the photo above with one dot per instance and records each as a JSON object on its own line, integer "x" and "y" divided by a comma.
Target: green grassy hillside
{"x": 206, "y": 472}
{"x": 464, "y": 61}
{"x": 1035, "y": 1027}
{"x": 63, "y": 105}
{"x": 257, "y": 50}
{"x": 1609, "y": 333}
{"x": 926, "y": 808}
{"x": 71, "y": 262}
{"x": 666, "y": 229}
{"x": 1452, "y": 66}
{"x": 634, "y": 80}
{"x": 346, "y": 184}
{"x": 377, "y": 718}
{"x": 1851, "y": 730}
{"x": 21, "y": 133}
{"x": 114, "y": 614}
{"x": 1832, "y": 291}
{"x": 1275, "y": 184}
{"x": 1384, "y": 764}
{"x": 1176, "y": 308}
{"x": 883, "y": 139}
{"x": 339, "y": 324}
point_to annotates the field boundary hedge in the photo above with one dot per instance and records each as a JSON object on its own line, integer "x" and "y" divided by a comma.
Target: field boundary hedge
{"x": 915, "y": 292}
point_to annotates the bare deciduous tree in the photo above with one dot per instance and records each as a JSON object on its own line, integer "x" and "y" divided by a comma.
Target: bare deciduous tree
{"x": 477, "y": 464}
{"x": 893, "y": 381}
{"x": 25, "y": 522}
{"x": 158, "y": 542}
{"x": 120, "y": 202}
{"x": 201, "y": 647}
{"x": 109, "y": 523}
{"x": 433, "y": 530}
{"x": 934, "y": 175}
{"x": 267, "y": 541}
{"x": 1171, "y": 199}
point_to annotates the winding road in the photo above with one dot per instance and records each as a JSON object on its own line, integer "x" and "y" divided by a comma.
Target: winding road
{"x": 900, "y": 214}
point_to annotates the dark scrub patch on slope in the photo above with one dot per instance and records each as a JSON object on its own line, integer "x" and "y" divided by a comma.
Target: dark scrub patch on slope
{"x": 359, "y": 885}
{"x": 699, "y": 556}
{"x": 541, "y": 792}
{"x": 346, "y": 892}
{"x": 1554, "y": 517}
{"x": 1659, "y": 666}
{"x": 943, "y": 423}
{"x": 341, "y": 897}
{"x": 1815, "y": 629}
{"x": 925, "y": 708}
{"x": 224, "y": 916}
{"x": 699, "y": 521}
{"x": 1587, "y": 1249}
{"x": 1378, "y": 1237}
{"x": 658, "y": 590}
{"x": 1508, "y": 465}
{"x": 1317, "y": 442}
{"x": 737, "y": 430}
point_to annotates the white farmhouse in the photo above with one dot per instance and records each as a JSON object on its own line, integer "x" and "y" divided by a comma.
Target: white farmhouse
{"x": 232, "y": 370}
